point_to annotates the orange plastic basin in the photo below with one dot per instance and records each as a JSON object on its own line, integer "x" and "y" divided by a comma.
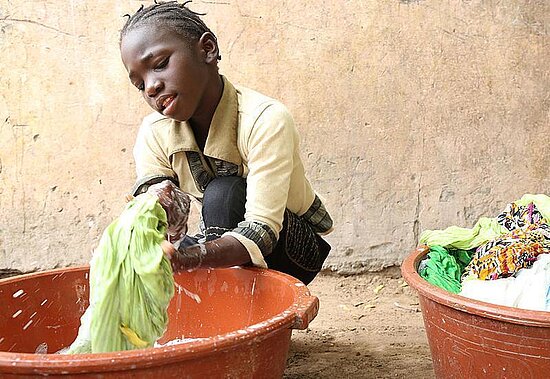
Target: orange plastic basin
{"x": 242, "y": 319}
{"x": 475, "y": 339}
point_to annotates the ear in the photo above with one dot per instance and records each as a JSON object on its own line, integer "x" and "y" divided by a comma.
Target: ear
{"x": 209, "y": 48}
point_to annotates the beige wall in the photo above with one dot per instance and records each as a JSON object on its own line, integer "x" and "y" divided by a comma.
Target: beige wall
{"x": 413, "y": 114}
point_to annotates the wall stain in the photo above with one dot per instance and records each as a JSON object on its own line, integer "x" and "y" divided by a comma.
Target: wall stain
{"x": 22, "y": 20}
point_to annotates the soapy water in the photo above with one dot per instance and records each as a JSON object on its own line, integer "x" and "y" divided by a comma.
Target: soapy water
{"x": 63, "y": 350}
{"x": 178, "y": 341}
{"x": 190, "y": 294}
{"x": 18, "y": 293}
{"x": 42, "y": 348}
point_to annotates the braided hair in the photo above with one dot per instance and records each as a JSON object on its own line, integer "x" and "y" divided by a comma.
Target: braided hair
{"x": 172, "y": 15}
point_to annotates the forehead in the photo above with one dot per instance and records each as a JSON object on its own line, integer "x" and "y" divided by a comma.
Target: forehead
{"x": 138, "y": 41}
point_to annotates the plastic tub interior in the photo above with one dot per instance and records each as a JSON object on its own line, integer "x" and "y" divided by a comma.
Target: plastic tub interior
{"x": 240, "y": 320}
{"x": 475, "y": 339}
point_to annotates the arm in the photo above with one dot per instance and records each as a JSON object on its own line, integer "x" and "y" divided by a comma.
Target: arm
{"x": 151, "y": 157}
{"x": 270, "y": 155}
{"x": 222, "y": 252}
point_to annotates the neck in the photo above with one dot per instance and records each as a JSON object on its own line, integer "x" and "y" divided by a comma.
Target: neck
{"x": 200, "y": 123}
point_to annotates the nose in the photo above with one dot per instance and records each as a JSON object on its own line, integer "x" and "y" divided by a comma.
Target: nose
{"x": 153, "y": 87}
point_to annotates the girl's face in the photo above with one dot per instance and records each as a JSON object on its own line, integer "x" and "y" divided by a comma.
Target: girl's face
{"x": 171, "y": 73}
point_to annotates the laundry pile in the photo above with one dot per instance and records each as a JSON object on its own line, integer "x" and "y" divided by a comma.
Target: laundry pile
{"x": 502, "y": 260}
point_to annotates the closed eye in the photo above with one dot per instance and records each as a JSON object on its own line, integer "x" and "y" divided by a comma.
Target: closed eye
{"x": 163, "y": 63}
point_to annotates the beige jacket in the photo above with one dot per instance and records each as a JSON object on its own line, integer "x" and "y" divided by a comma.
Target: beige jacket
{"x": 252, "y": 136}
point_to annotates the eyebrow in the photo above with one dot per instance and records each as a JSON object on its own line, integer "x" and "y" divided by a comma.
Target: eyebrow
{"x": 143, "y": 59}
{"x": 147, "y": 57}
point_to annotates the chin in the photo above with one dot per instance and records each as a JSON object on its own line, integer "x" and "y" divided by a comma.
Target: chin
{"x": 180, "y": 118}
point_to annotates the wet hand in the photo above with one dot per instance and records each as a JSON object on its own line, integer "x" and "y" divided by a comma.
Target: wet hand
{"x": 177, "y": 205}
{"x": 184, "y": 259}
{"x": 168, "y": 249}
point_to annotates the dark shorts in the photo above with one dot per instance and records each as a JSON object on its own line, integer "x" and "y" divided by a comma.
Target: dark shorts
{"x": 299, "y": 252}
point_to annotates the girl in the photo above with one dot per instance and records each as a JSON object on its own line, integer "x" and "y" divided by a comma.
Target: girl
{"x": 232, "y": 148}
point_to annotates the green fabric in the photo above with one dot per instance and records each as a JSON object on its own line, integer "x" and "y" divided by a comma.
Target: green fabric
{"x": 443, "y": 268}
{"x": 131, "y": 282}
{"x": 541, "y": 201}
{"x": 463, "y": 258}
{"x": 485, "y": 230}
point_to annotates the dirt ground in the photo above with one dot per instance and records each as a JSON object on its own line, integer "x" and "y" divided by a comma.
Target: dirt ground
{"x": 368, "y": 326}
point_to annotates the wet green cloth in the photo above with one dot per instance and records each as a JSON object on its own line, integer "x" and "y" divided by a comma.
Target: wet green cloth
{"x": 485, "y": 230}
{"x": 443, "y": 268}
{"x": 131, "y": 282}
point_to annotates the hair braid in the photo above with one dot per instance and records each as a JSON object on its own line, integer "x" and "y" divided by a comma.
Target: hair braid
{"x": 170, "y": 14}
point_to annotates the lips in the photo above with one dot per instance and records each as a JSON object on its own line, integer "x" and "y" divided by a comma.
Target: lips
{"x": 164, "y": 102}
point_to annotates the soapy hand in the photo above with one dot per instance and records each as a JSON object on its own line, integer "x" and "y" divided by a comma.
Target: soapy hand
{"x": 176, "y": 204}
{"x": 225, "y": 251}
{"x": 182, "y": 259}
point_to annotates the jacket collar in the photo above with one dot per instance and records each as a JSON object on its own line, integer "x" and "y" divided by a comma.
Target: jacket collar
{"x": 221, "y": 142}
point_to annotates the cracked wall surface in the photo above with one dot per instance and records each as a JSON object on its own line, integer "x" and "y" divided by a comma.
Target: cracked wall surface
{"x": 413, "y": 115}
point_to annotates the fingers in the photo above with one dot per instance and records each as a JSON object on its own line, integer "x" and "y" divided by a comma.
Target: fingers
{"x": 168, "y": 249}
{"x": 128, "y": 198}
{"x": 187, "y": 259}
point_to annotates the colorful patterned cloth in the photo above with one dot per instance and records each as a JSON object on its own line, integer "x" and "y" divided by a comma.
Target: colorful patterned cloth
{"x": 515, "y": 216}
{"x": 529, "y": 236}
{"x": 529, "y": 209}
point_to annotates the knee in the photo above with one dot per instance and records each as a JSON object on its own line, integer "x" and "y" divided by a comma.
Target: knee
{"x": 223, "y": 191}
{"x": 223, "y": 203}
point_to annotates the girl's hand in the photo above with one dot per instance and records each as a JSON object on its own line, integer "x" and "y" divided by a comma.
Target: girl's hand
{"x": 177, "y": 205}
{"x": 168, "y": 249}
{"x": 189, "y": 258}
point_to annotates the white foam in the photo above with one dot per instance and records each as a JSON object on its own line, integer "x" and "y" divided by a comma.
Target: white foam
{"x": 27, "y": 324}
{"x": 18, "y": 293}
{"x": 177, "y": 341}
{"x": 42, "y": 348}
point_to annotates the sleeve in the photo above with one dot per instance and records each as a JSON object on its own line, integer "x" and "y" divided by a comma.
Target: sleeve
{"x": 270, "y": 155}
{"x": 152, "y": 162}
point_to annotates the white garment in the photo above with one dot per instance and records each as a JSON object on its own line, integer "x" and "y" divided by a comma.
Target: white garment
{"x": 529, "y": 289}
